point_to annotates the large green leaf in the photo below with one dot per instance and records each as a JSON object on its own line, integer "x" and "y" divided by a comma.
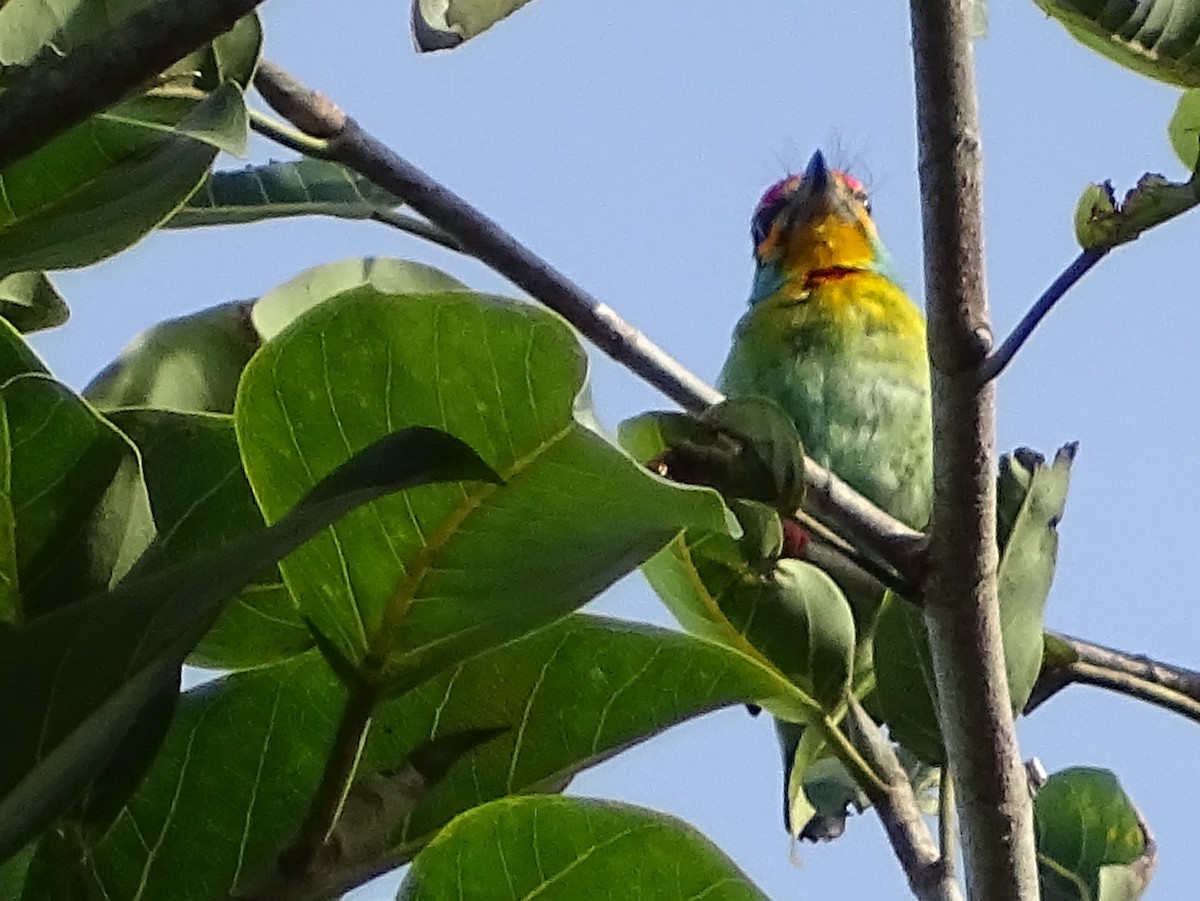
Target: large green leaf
{"x": 1159, "y": 38}
{"x": 56, "y": 741}
{"x": 75, "y": 506}
{"x": 572, "y": 849}
{"x": 442, "y": 24}
{"x": 281, "y": 306}
{"x": 204, "y": 505}
{"x": 191, "y": 363}
{"x": 304, "y": 187}
{"x": 418, "y": 582}
{"x": 1091, "y": 842}
{"x": 31, "y": 302}
{"x": 262, "y": 734}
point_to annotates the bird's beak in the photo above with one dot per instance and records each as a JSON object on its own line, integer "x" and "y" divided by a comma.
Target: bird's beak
{"x": 817, "y": 196}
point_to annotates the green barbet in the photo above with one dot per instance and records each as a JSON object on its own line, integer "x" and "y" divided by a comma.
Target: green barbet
{"x": 833, "y": 339}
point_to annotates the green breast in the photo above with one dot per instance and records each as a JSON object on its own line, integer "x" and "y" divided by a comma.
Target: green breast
{"x": 849, "y": 364}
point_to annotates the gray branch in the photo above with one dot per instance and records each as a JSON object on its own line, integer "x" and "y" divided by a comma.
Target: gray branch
{"x": 961, "y": 607}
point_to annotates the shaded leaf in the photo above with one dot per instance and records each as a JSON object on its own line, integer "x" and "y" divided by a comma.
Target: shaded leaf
{"x": 442, "y": 24}
{"x": 571, "y": 848}
{"x": 31, "y": 302}
{"x": 77, "y": 506}
{"x": 1091, "y": 841}
{"x": 423, "y": 580}
{"x": 204, "y": 505}
{"x": 905, "y": 688}
{"x": 57, "y": 742}
{"x": 278, "y": 190}
{"x": 190, "y": 363}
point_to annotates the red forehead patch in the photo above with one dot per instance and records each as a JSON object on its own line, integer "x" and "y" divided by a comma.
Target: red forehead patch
{"x": 789, "y": 184}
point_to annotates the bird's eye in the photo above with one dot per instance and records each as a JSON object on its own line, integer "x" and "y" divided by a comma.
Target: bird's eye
{"x": 861, "y": 197}
{"x": 764, "y": 217}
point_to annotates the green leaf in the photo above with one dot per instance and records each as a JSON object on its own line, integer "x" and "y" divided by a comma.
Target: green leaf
{"x": 787, "y": 612}
{"x": 572, "y": 848}
{"x": 905, "y": 687}
{"x": 76, "y": 507}
{"x": 14, "y": 870}
{"x": 93, "y": 191}
{"x": 1184, "y": 129}
{"x": 31, "y": 302}
{"x": 1028, "y": 560}
{"x": 204, "y": 505}
{"x": 1102, "y": 224}
{"x": 445, "y": 572}
{"x": 1031, "y": 500}
{"x": 56, "y": 742}
{"x": 304, "y": 187}
{"x": 280, "y": 307}
{"x": 261, "y": 735}
{"x": 105, "y": 183}
{"x": 16, "y": 356}
{"x": 744, "y": 448}
{"x": 1090, "y": 839}
{"x": 1158, "y": 38}
{"x": 192, "y": 363}
{"x": 442, "y": 24}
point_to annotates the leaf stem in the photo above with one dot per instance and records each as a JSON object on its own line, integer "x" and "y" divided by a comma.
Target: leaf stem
{"x": 299, "y": 860}
{"x": 289, "y": 137}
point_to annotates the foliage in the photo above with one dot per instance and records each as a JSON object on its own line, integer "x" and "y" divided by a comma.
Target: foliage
{"x": 384, "y": 558}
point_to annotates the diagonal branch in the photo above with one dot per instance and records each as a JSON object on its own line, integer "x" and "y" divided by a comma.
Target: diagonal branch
{"x": 961, "y": 607}
{"x": 56, "y": 92}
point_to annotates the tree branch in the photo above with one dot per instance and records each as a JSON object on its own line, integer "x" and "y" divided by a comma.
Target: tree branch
{"x": 961, "y": 607}
{"x": 928, "y": 876}
{"x": 56, "y": 92}
{"x": 1173, "y": 688}
{"x": 998, "y": 360}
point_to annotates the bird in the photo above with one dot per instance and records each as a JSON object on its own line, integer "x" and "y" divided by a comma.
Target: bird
{"x": 832, "y": 338}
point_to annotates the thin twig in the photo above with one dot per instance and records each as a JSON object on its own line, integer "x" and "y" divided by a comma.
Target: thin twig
{"x": 999, "y": 359}
{"x": 947, "y": 833}
{"x": 901, "y": 814}
{"x": 57, "y": 92}
{"x": 961, "y": 608}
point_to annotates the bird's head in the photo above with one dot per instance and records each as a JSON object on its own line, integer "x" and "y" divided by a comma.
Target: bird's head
{"x": 812, "y": 227}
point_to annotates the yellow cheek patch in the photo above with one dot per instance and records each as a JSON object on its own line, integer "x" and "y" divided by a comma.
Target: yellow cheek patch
{"x": 832, "y": 242}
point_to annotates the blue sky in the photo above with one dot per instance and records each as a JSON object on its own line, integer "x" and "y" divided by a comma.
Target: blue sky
{"x": 628, "y": 142}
